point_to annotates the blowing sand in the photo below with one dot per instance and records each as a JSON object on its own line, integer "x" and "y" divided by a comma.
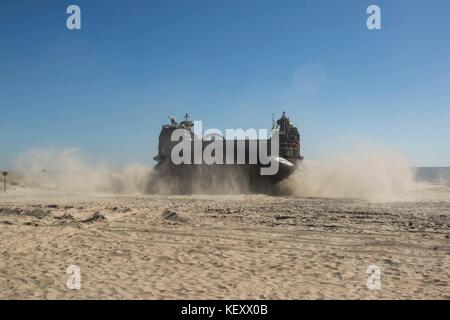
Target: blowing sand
{"x": 223, "y": 247}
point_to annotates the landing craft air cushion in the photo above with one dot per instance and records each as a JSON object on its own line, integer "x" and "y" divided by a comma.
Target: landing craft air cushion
{"x": 233, "y": 173}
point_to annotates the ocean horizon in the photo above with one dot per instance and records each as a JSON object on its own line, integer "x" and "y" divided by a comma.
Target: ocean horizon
{"x": 438, "y": 175}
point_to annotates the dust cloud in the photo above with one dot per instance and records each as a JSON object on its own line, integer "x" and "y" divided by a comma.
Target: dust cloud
{"x": 68, "y": 170}
{"x": 356, "y": 174}
{"x": 361, "y": 174}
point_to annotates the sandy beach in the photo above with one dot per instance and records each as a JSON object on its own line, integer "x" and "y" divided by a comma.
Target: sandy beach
{"x": 226, "y": 150}
{"x": 223, "y": 247}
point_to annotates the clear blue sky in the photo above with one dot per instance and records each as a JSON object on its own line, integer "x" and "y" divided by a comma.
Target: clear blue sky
{"x": 108, "y": 88}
